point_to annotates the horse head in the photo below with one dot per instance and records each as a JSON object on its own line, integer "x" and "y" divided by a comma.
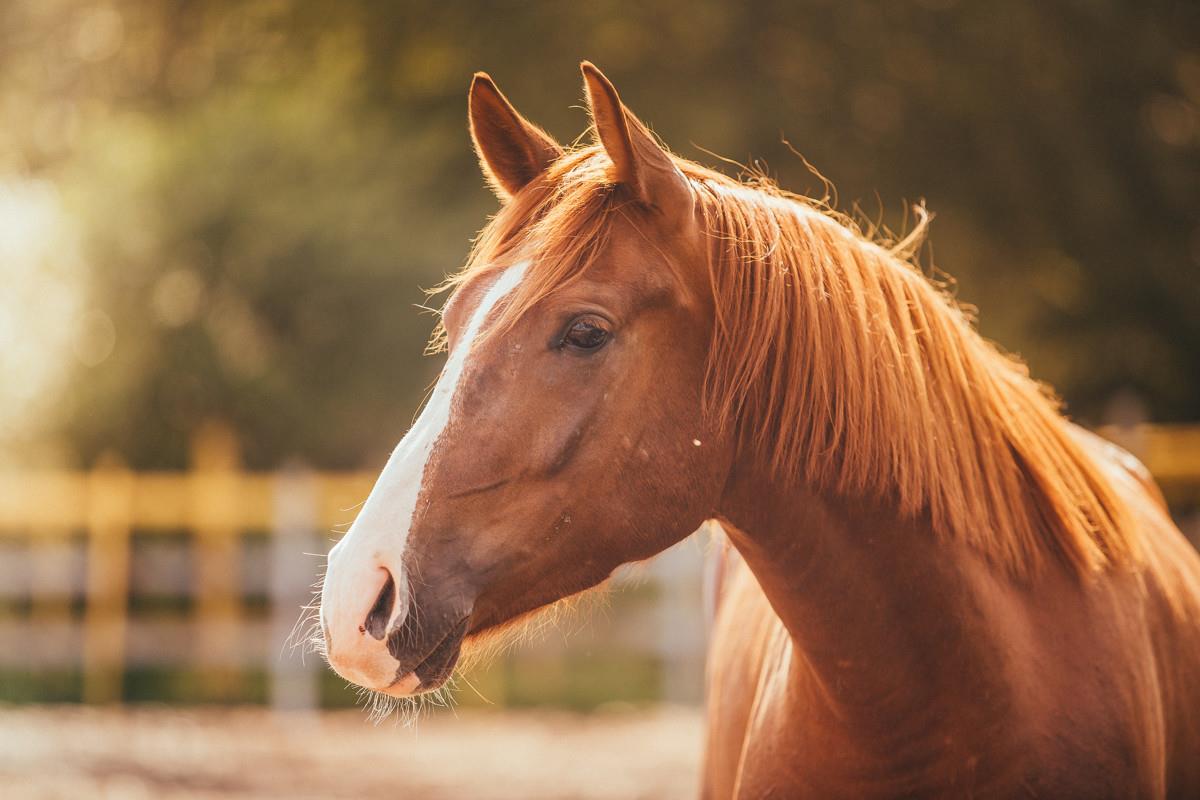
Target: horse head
{"x": 566, "y": 435}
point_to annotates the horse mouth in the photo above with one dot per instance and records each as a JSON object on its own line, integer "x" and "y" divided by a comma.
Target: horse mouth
{"x": 435, "y": 669}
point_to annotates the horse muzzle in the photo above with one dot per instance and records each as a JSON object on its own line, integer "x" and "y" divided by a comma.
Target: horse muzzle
{"x": 383, "y": 638}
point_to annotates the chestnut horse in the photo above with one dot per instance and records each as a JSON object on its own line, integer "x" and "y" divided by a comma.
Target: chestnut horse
{"x": 934, "y": 584}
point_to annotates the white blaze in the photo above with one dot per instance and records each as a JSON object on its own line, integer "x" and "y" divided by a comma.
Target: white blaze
{"x": 380, "y": 532}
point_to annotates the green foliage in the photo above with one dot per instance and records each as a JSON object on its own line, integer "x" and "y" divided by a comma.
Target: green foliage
{"x": 262, "y": 189}
{"x": 49, "y": 686}
{"x": 580, "y": 682}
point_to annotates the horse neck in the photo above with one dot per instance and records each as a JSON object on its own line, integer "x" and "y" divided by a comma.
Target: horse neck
{"x": 887, "y": 621}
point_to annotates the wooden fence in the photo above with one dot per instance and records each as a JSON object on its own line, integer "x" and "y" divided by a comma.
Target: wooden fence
{"x": 298, "y": 510}
{"x": 215, "y": 502}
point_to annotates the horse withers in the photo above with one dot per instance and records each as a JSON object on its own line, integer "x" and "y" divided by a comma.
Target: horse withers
{"x": 934, "y": 584}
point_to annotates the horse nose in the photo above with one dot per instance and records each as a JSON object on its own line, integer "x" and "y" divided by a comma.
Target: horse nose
{"x": 360, "y": 603}
{"x": 376, "y": 623}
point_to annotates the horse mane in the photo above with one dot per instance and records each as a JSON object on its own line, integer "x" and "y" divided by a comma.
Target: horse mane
{"x": 842, "y": 366}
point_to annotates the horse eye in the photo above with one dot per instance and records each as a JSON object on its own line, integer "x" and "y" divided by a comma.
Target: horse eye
{"x": 586, "y": 333}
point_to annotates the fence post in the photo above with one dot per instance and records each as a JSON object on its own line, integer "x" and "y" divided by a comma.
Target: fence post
{"x": 215, "y": 504}
{"x": 680, "y": 640}
{"x": 294, "y": 678}
{"x": 109, "y": 511}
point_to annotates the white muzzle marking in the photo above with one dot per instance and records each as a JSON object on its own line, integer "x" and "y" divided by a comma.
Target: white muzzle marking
{"x": 377, "y": 539}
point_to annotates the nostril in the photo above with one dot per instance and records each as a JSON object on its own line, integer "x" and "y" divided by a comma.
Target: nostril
{"x": 381, "y": 613}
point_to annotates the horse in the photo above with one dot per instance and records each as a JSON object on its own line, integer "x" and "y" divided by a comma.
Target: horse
{"x": 930, "y": 581}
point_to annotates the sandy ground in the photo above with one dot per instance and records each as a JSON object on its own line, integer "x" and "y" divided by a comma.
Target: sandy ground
{"x": 79, "y": 752}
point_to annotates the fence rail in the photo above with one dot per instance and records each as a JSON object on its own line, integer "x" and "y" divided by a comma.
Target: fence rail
{"x": 216, "y": 502}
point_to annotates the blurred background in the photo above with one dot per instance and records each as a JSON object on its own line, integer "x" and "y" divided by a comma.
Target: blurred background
{"x": 217, "y": 220}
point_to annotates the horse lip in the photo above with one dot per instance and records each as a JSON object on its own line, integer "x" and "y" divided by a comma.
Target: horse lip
{"x": 438, "y": 664}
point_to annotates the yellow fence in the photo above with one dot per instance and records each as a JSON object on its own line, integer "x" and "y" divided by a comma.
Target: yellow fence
{"x": 216, "y": 502}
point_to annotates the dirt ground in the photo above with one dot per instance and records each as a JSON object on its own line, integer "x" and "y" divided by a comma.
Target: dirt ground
{"x": 79, "y": 752}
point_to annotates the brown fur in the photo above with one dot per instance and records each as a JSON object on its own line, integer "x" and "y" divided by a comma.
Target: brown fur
{"x": 938, "y": 586}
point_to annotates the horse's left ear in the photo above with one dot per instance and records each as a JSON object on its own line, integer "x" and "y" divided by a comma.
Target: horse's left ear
{"x": 638, "y": 160}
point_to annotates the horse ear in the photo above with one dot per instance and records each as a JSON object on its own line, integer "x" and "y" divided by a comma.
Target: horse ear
{"x": 638, "y": 160}
{"x": 512, "y": 150}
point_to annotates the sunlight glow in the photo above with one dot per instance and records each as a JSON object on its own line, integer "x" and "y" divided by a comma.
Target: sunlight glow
{"x": 40, "y": 302}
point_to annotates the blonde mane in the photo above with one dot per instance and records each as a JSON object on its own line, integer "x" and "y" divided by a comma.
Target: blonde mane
{"x": 837, "y": 362}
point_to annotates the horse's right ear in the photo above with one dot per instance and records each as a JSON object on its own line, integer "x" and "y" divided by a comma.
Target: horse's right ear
{"x": 512, "y": 150}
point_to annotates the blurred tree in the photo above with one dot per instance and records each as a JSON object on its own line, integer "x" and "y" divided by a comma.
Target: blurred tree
{"x": 260, "y": 189}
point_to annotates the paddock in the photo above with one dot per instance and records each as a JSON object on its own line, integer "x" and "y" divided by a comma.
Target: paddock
{"x": 199, "y": 753}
